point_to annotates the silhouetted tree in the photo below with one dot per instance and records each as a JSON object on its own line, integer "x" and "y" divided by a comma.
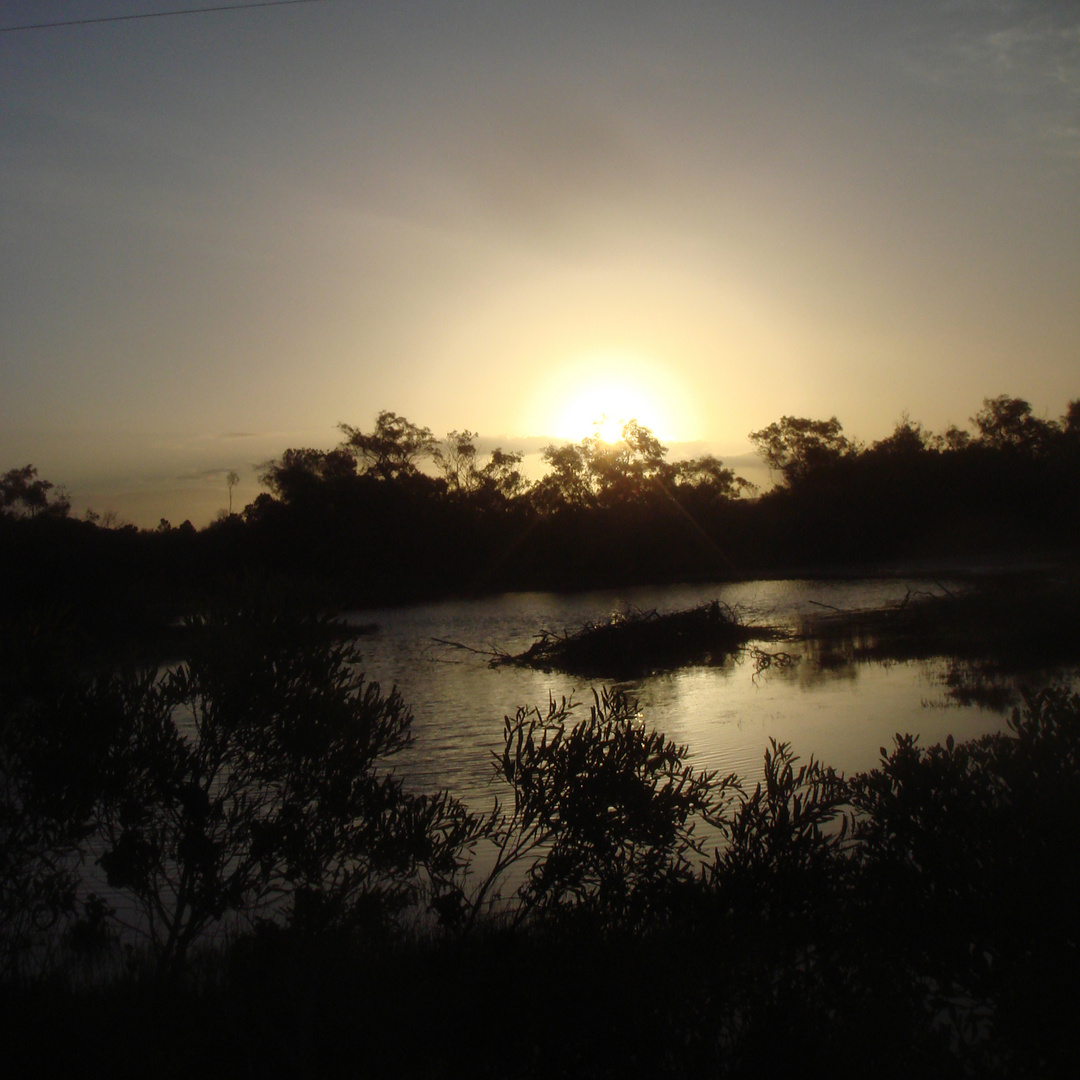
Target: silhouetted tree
{"x": 602, "y": 816}
{"x": 624, "y": 471}
{"x": 567, "y": 482}
{"x": 708, "y": 477}
{"x": 251, "y": 780}
{"x": 304, "y": 473}
{"x": 23, "y": 494}
{"x": 781, "y": 843}
{"x": 952, "y": 438}
{"x": 502, "y": 474}
{"x": 41, "y": 832}
{"x": 456, "y": 459}
{"x": 1006, "y": 422}
{"x": 796, "y": 447}
{"x": 907, "y": 439}
{"x": 1070, "y": 422}
{"x": 632, "y": 470}
{"x": 499, "y": 477}
{"x": 391, "y": 451}
{"x": 232, "y": 478}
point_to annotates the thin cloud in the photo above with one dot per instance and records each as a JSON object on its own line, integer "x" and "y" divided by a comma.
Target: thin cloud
{"x": 1020, "y": 62}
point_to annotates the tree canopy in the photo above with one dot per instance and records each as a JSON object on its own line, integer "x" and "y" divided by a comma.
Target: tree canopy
{"x": 795, "y": 446}
{"x": 392, "y": 450}
{"x": 23, "y": 494}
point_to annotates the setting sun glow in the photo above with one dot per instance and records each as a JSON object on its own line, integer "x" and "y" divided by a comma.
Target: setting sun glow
{"x": 603, "y": 409}
{"x": 599, "y": 393}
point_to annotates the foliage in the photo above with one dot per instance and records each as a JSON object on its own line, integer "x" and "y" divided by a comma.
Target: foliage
{"x": 1007, "y": 422}
{"x": 598, "y": 473}
{"x": 952, "y": 438}
{"x": 502, "y": 475}
{"x": 250, "y": 781}
{"x": 915, "y": 919}
{"x": 391, "y": 451}
{"x": 796, "y": 447}
{"x": 391, "y": 514}
{"x": 39, "y": 846}
{"x": 908, "y": 438}
{"x": 781, "y": 844}
{"x": 707, "y": 476}
{"x": 51, "y": 749}
{"x": 457, "y": 460}
{"x": 23, "y": 494}
{"x": 1070, "y": 422}
{"x": 603, "y": 813}
{"x": 964, "y": 851}
{"x": 300, "y": 474}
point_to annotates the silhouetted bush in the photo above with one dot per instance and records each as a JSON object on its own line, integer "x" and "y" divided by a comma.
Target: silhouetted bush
{"x": 919, "y": 917}
{"x": 249, "y": 781}
{"x": 603, "y": 814}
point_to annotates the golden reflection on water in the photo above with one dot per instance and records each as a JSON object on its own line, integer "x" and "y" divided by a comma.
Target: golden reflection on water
{"x": 825, "y": 705}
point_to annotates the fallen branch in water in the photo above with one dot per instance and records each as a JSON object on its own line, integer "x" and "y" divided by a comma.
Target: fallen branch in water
{"x": 635, "y": 643}
{"x": 492, "y": 652}
{"x": 765, "y": 661}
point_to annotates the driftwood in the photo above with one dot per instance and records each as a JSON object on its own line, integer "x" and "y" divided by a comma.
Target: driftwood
{"x": 635, "y": 643}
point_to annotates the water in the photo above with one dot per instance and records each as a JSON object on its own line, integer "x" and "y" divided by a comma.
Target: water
{"x": 725, "y": 714}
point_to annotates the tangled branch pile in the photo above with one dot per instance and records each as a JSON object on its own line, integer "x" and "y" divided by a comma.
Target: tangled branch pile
{"x": 635, "y": 643}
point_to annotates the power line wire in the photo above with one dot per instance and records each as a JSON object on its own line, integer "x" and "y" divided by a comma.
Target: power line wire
{"x": 156, "y": 14}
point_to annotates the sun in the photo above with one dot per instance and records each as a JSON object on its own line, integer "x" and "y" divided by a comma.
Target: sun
{"x": 597, "y": 391}
{"x": 603, "y": 408}
{"x": 601, "y": 394}
{"x": 609, "y": 429}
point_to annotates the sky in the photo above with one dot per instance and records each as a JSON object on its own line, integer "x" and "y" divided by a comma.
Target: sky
{"x": 223, "y": 234}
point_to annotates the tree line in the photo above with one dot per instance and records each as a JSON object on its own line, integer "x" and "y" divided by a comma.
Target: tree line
{"x": 393, "y": 513}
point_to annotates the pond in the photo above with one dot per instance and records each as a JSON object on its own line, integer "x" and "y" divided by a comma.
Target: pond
{"x": 841, "y": 713}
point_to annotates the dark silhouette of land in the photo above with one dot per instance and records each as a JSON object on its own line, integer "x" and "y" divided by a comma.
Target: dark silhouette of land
{"x": 635, "y": 643}
{"x": 365, "y": 524}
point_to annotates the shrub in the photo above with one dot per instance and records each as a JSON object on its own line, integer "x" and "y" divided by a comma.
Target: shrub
{"x": 782, "y": 843}
{"x": 251, "y": 781}
{"x": 604, "y": 814}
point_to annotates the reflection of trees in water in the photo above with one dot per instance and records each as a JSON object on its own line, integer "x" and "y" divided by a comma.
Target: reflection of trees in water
{"x": 989, "y": 685}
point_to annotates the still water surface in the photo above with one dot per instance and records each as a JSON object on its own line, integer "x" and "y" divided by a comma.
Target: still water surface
{"x": 725, "y": 714}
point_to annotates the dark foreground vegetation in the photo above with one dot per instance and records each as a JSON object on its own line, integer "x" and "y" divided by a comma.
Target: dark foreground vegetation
{"x": 393, "y": 514}
{"x": 617, "y": 912}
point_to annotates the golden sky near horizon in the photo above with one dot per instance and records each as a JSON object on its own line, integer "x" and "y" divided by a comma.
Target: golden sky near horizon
{"x": 222, "y": 234}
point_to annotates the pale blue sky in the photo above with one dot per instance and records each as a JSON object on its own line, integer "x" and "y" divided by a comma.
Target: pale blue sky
{"x": 223, "y": 234}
